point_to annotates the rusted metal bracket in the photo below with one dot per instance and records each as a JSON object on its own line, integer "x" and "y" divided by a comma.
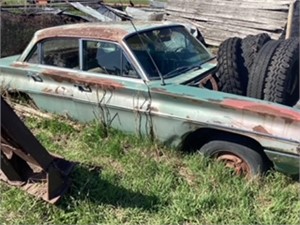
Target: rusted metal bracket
{"x": 27, "y": 164}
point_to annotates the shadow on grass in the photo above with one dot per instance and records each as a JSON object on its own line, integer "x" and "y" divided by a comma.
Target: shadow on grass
{"x": 87, "y": 185}
{"x": 295, "y": 178}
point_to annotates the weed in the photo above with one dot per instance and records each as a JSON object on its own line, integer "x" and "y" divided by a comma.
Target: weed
{"x": 130, "y": 180}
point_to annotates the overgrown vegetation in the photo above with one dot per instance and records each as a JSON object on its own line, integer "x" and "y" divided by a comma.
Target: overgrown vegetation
{"x": 123, "y": 179}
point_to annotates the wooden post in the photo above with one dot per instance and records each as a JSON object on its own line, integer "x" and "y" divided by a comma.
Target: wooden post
{"x": 290, "y": 20}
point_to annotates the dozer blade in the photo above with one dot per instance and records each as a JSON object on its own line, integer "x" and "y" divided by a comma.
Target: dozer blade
{"x": 27, "y": 164}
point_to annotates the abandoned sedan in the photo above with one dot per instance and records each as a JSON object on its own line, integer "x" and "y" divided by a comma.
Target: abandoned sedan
{"x": 154, "y": 79}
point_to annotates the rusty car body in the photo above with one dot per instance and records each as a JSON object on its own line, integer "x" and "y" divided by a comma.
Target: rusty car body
{"x": 151, "y": 78}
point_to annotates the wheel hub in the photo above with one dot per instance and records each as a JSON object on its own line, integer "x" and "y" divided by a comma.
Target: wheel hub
{"x": 234, "y": 162}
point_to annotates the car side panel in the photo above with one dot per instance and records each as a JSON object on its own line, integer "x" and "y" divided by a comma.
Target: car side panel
{"x": 177, "y": 110}
{"x": 47, "y": 93}
{"x": 119, "y": 104}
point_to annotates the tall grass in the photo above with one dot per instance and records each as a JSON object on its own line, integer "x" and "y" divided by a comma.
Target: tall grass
{"x": 123, "y": 179}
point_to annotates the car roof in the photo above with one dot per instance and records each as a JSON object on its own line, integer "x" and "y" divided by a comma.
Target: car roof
{"x": 113, "y": 31}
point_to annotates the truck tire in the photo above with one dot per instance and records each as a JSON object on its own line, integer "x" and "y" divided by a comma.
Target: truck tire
{"x": 251, "y": 46}
{"x": 243, "y": 160}
{"x": 282, "y": 82}
{"x": 259, "y": 70}
{"x": 230, "y": 70}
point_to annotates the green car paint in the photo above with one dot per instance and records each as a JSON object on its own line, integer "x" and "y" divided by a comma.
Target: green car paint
{"x": 159, "y": 100}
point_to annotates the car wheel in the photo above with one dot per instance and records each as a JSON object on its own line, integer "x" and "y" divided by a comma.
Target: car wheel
{"x": 242, "y": 159}
{"x": 282, "y": 82}
{"x": 259, "y": 70}
{"x": 230, "y": 70}
{"x": 251, "y": 46}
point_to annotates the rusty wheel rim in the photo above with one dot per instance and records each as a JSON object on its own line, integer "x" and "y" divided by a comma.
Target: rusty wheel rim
{"x": 234, "y": 162}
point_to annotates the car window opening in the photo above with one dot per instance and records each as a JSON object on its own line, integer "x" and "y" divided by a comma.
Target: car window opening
{"x": 108, "y": 58}
{"x": 170, "y": 48}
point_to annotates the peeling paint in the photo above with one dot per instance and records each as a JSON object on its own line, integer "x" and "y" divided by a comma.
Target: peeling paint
{"x": 174, "y": 95}
{"x": 47, "y": 90}
{"x": 154, "y": 109}
{"x": 267, "y": 110}
{"x": 59, "y": 90}
{"x": 62, "y": 76}
{"x": 260, "y": 129}
{"x": 19, "y": 65}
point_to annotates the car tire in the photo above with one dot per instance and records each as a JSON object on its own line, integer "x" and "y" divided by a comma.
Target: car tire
{"x": 259, "y": 70}
{"x": 282, "y": 82}
{"x": 251, "y": 46}
{"x": 230, "y": 70}
{"x": 242, "y": 159}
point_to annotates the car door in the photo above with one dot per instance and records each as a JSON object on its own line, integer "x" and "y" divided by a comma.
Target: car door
{"x": 110, "y": 90}
{"x": 47, "y": 71}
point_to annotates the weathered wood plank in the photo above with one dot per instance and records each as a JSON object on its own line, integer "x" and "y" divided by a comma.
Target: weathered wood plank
{"x": 230, "y": 30}
{"x": 228, "y": 10}
{"x": 258, "y": 24}
{"x": 275, "y": 2}
{"x": 229, "y": 5}
{"x": 241, "y": 4}
{"x": 220, "y": 19}
{"x": 251, "y": 1}
{"x": 204, "y": 7}
{"x": 251, "y": 15}
{"x": 214, "y": 34}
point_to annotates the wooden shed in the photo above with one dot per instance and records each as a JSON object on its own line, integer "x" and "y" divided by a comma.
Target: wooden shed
{"x": 221, "y": 19}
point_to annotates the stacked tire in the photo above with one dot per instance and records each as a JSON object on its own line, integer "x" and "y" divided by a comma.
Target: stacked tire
{"x": 259, "y": 67}
{"x": 231, "y": 72}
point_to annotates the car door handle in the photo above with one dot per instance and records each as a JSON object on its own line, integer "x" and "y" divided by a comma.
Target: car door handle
{"x": 84, "y": 88}
{"x": 35, "y": 76}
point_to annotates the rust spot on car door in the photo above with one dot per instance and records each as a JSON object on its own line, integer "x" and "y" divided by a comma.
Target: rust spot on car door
{"x": 260, "y": 129}
{"x": 47, "y": 90}
{"x": 20, "y": 65}
{"x": 76, "y": 78}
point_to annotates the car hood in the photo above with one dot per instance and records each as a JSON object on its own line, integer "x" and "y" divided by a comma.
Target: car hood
{"x": 189, "y": 76}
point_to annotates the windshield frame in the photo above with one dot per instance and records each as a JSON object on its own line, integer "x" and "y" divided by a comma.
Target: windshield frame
{"x": 151, "y": 65}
